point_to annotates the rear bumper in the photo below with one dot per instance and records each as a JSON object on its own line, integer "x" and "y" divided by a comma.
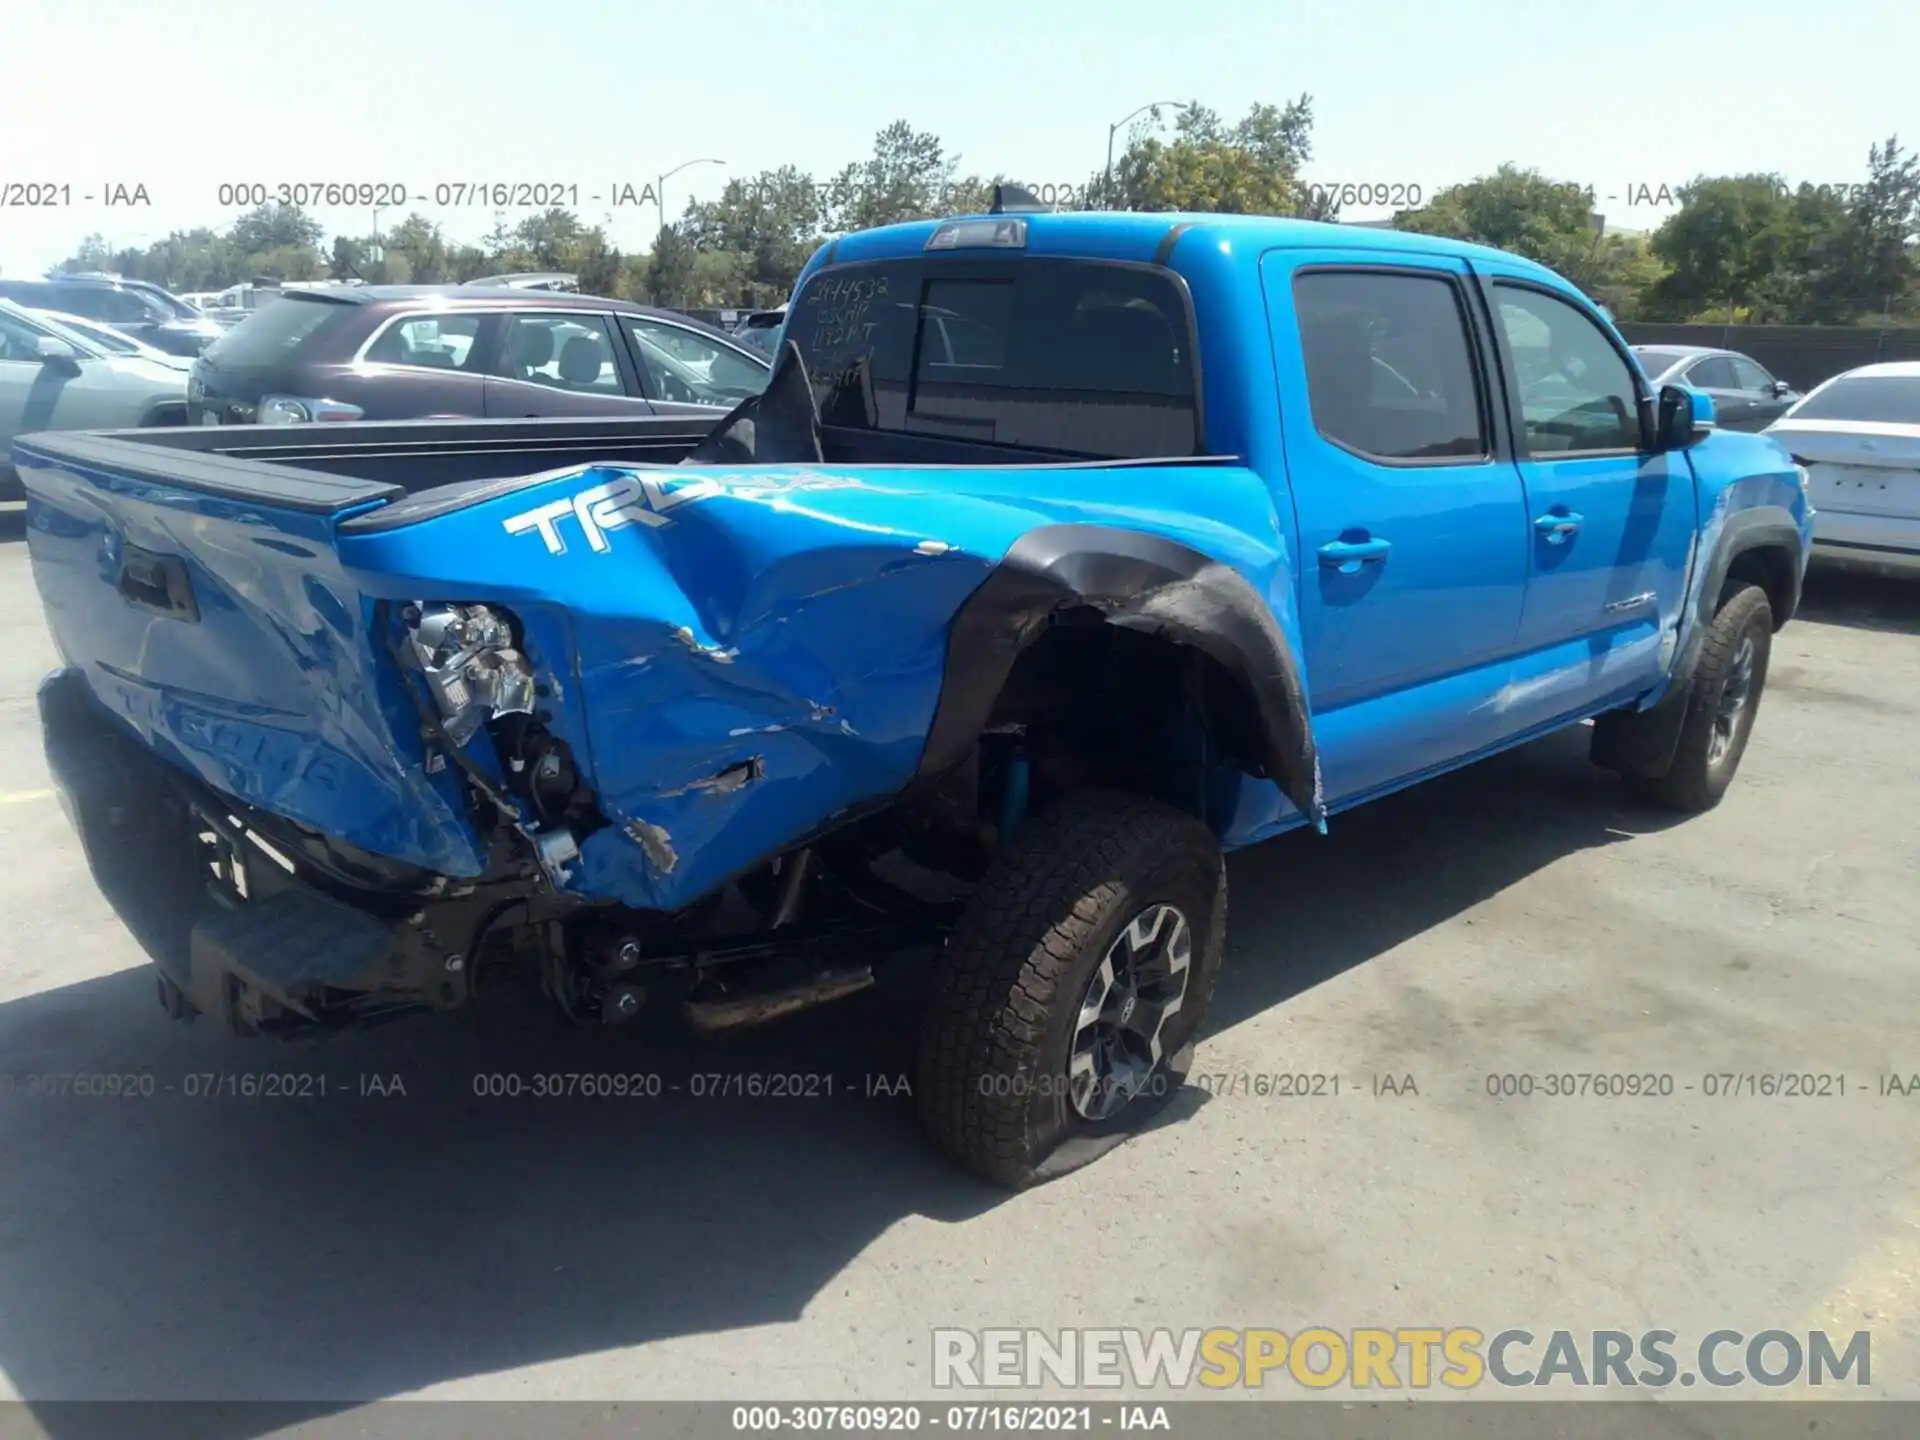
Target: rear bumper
{"x": 1875, "y": 542}
{"x": 235, "y": 934}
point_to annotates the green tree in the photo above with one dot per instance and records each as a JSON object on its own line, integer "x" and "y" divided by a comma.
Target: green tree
{"x": 1875, "y": 258}
{"x": 1251, "y": 167}
{"x": 1728, "y": 237}
{"x": 908, "y": 177}
{"x": 415, "y": 253}
{"x": 275, "y": 227}
{"x": 669, "y": 276}
{"x": 1547, "y": 220}
{"x": 772, "y": 221}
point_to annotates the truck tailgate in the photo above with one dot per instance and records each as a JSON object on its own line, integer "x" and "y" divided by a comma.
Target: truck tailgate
{"x": 205, "y": 605}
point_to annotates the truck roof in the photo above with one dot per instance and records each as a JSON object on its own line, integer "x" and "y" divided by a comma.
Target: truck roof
{"x": 1134, "y": 235}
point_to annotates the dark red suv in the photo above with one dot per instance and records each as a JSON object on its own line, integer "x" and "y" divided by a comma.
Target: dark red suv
{"x": 404, "y": 352}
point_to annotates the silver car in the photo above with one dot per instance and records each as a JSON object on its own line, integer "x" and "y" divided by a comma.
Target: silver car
{"x": 115, "y": 342}
{"x": 53, "y": 378}
{"x": 1858, "y": 436}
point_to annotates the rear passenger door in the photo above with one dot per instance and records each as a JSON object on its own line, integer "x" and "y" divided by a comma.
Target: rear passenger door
{"x": 1611, "y": 524}
{"x": 1412, "y": 520}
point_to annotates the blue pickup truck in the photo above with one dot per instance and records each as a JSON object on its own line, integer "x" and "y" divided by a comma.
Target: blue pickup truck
{"x": 1062, "y": 554}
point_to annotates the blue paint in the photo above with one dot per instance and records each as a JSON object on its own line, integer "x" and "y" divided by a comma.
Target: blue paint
{"x": 798, "y": 618}
{"x": 1013, "y": 801}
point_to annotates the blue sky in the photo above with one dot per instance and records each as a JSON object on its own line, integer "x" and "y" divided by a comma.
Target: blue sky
{"x": 183, "y": 95}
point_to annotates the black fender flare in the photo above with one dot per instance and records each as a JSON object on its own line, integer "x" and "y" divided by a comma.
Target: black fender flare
{"x": 1644, "y": 741}
{"x": 1137, "y": 582}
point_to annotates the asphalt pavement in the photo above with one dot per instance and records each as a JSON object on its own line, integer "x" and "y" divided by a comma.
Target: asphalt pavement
{"x": 405, "y": 1236}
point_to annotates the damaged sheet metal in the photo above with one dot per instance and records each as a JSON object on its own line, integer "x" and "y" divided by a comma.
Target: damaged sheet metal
{"x": 755, "y": 642}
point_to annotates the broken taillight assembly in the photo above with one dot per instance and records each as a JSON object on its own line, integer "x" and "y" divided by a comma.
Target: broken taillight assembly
{"x": 467, "y": 655}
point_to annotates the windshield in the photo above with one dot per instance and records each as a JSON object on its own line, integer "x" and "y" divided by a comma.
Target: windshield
{"x": 1078, "y": 357}
{"x": 1875, "y": 399}
{"x": 102, "y": 337}
{"x": 27, "y": 326}
{"x": 171, "y": 303}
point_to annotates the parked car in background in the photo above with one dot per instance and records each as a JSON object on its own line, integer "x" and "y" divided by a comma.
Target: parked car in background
{"x": 144, "y": 311}
{"x": 1745, "y": 396}
{"x": 1858, "y": 435}
{"x": 202, "y": 300}
{"x": 116, "y": 342}
{"x": 761, "y": 328}
{"x": 380, "y": 352}
{"x": 54, "y": 378}
{"x": 557, "y": 280}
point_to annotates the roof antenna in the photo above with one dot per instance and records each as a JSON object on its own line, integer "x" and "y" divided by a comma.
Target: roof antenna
{"x": 1017, "y": 200}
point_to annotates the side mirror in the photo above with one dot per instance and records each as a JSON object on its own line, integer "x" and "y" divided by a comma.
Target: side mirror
{"x": 1685, "y": 418}
{"x": 57, "y": 355}
{"x": 1781, "y": 389}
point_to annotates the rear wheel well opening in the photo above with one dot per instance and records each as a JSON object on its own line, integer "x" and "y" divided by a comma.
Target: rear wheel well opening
{"x": 1771, "y": 568}
{"x": 168, "y": 413}
{"x": 1092, "y": 705}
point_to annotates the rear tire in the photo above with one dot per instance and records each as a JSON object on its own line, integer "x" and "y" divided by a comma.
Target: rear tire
{"x": 1083, "y": 962}
{"x": 1723, "y": 699}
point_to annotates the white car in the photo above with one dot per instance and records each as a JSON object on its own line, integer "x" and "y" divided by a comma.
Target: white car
{"x": 53, "y": 378}
{"x": 1858, "y": 435}
{"x": 116, "y": 342}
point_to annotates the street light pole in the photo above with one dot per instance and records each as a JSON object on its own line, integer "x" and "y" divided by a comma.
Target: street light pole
{"x": 660, "y": 190}
{"x": 1114, "y": 129}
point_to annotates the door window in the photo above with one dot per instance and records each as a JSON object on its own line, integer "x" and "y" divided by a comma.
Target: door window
{"x": 1390, "y": 370}
{"x": 681, "y": 364}
{"x": 563, "y": 352}
{"x": 1576, "y": 391}
{"x": 1713, "y": 373}
{"x": 1751, "y": 376}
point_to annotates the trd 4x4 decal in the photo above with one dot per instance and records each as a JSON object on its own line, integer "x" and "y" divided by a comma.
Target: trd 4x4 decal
{"x": 637, "y": 498}
{"x": 630, "y": 500}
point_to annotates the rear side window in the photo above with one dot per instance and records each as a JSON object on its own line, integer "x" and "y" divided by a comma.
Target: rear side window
{"x": 561, "y": 352}
{"x": 270, "y": 334}
{"x": 1075, "y": 357}
{"x": 1874, "y": 399}
{"x": 1390, "y": 370}
{"x": 433, "y": 342}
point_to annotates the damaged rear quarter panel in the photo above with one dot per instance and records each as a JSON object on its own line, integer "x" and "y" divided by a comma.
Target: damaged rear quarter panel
{"x": 768, "y": 654}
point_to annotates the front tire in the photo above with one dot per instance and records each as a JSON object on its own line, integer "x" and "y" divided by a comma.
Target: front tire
{"x": 1722, "y": 701}
{"x": 1083, "y": 963}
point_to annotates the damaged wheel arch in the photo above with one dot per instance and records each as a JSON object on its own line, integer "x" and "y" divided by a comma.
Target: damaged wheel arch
{"x": 1137, "y": 582}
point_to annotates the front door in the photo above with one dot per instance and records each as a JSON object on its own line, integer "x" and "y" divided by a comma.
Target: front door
{"x": 1611, "y": 525}
{"x": 1412, "y": 519}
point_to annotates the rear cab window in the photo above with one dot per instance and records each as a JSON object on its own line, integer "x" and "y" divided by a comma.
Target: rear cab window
{"x": 1082, "y": 358}
{"x": 268, "y": 336}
